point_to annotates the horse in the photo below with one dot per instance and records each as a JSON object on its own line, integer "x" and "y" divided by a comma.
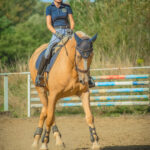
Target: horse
{"x": 68, "y": 77}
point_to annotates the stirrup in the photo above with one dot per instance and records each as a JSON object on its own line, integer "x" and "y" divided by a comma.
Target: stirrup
{"x": 39, "y": 81}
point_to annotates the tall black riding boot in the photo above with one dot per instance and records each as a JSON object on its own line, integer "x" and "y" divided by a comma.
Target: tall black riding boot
{"x": 39, "y": 76}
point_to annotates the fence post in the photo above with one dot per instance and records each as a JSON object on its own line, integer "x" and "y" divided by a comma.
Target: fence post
{"x": 28, "y": 88}
{"x": 5, "y": 93}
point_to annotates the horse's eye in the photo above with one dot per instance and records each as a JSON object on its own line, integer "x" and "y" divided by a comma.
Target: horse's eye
{"x": 79, "y": 57}
{"x": 91, "y": 54}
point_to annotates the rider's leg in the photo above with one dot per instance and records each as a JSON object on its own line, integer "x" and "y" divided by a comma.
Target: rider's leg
{"x": 44, "y": 60}
{"x": 47, "y": 56}
{"x": 39, "y": 76}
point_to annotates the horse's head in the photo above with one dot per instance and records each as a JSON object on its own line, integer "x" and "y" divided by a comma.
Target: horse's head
{"x": 83, "y": 56}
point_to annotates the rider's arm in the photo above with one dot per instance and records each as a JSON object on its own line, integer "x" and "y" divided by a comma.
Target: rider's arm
{"x": 72, "y": 24}
{"x": 49, "y": 24}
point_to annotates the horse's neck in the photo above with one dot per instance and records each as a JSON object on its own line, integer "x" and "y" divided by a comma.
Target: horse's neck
{"x": 69, "y": 50}
{"x": 68, "y": 55}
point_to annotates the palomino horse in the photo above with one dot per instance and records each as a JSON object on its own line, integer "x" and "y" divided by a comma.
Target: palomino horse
{"x": 68, "y": 76}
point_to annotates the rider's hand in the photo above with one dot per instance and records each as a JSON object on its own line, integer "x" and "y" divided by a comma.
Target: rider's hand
{"x": 69, "y": 31}
{"x": 59, "y": 35}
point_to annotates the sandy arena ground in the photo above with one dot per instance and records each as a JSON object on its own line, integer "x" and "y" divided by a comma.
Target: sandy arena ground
{"x": 116, "y": 133}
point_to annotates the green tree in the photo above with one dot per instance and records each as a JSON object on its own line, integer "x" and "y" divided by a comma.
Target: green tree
{"x": 15, "y": 11}
{"x": 123, "y": 27}
{"x": 12, "y": 12}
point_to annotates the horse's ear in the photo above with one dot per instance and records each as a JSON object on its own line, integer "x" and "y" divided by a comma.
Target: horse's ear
{"x": 93, "y": 38}
{"x": 77, "y": 38}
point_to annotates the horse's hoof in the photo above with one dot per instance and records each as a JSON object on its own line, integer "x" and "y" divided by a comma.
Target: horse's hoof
{"x": 34, "y": 146}
{"x": 44, "y": 147}
{"x": 95, "y": 146}
{"x": 60, "y": 143}
{"x": 61, "y": 147}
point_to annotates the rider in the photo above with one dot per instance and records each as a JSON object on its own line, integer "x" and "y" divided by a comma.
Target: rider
{"x": 57, "y": 15}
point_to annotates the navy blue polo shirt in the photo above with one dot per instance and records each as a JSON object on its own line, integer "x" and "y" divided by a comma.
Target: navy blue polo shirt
{"x": 59, "y": 15}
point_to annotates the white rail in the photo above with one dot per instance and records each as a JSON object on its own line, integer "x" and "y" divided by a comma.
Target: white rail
{"x": 6, "y": 108}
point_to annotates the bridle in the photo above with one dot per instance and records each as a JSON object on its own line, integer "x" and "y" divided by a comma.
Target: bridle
{"x": 85, "y": 55}
{"x": 81, "y": 70}
{"x": 85, "y": 50}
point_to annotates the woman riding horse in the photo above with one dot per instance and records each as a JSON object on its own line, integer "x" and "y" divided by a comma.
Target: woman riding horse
{"x": 68, "y": 76}
{"x": 57, "y": 15}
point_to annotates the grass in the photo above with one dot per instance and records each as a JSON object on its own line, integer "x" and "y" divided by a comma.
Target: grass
{"x": 124, "y": 110}
{"x": 103, "y": 111}
{"x": 18, "y": 96}
{"x": 1, "y": 107}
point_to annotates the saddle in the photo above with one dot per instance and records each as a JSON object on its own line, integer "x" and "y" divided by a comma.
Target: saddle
{"x": 56, "y": 48}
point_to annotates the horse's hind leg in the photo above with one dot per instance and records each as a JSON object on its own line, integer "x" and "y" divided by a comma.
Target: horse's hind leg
{"x": 43, "y": 97}
{"x": 90, "y": 120}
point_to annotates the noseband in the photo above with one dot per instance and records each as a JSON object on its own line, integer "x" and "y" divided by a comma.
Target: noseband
{"x": 81, "y": 70}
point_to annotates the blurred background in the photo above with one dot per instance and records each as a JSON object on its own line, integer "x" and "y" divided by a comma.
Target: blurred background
{"x": 123, "y": 28}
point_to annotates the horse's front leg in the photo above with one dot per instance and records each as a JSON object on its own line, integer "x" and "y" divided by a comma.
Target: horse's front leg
{"x": 85, "y": 97}
{"x": 50, "y": 122}
{"x": 37, "y": 135}
{"x": 57, "y": 136}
